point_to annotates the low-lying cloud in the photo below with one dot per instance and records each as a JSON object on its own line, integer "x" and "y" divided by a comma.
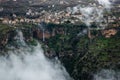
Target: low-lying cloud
{"x": 93, "y": 13}
{"x": 30, "y": 64}
{"x": 107, "y": 75}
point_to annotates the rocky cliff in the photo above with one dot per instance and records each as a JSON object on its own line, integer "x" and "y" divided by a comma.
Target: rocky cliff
{"x": 81, "y": 56}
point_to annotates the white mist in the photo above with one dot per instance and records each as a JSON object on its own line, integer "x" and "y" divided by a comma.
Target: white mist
{"x": 29, "y": 63}
{"x": 105, "y": 3}
{"x": 24, "y": 64}
{"x": 107, "y": 75}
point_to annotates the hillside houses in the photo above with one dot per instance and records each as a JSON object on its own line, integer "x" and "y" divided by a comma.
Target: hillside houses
{"x": 57, "y": 17}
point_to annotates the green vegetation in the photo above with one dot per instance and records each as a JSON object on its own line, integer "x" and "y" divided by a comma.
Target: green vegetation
{"x": 8, "y": 32}
{"x": 80, "y": 55}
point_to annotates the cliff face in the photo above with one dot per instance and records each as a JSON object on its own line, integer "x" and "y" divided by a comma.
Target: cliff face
{"x": 80, "y": 55}
{"x": 110, "y": 32}
{"x": 83, "y": 56}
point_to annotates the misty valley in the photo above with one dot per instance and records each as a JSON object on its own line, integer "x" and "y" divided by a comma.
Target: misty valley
{"x": 59, "y": 40}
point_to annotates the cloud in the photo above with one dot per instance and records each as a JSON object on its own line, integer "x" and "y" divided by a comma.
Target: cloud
{"x": 107, "y": 75}
{"x": 24, "y": 64}
{"x": 93, "y": 13}
{"x": 105, "y": 3}
{"x": 29, "y": 63}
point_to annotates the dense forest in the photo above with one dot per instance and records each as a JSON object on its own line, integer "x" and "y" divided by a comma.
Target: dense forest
{"x": 81, "y": 55}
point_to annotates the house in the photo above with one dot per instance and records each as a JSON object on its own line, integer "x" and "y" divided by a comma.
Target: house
{"x": 5, "y": 21}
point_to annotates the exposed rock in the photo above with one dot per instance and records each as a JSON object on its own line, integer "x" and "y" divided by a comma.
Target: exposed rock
{"x": 80, "y": 55}
{"x": 109, "y": 32}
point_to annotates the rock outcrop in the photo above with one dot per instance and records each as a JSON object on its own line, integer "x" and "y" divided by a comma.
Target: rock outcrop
{"x": 80, "y": 55}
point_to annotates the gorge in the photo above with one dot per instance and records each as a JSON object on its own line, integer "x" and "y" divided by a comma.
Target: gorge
{"x": 26, "y": 56}
{"x": 42, "y": 40}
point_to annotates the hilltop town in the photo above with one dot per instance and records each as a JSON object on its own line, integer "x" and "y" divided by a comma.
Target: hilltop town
{"x": 23, "y": 11}
{"x": 56, "y": 24}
